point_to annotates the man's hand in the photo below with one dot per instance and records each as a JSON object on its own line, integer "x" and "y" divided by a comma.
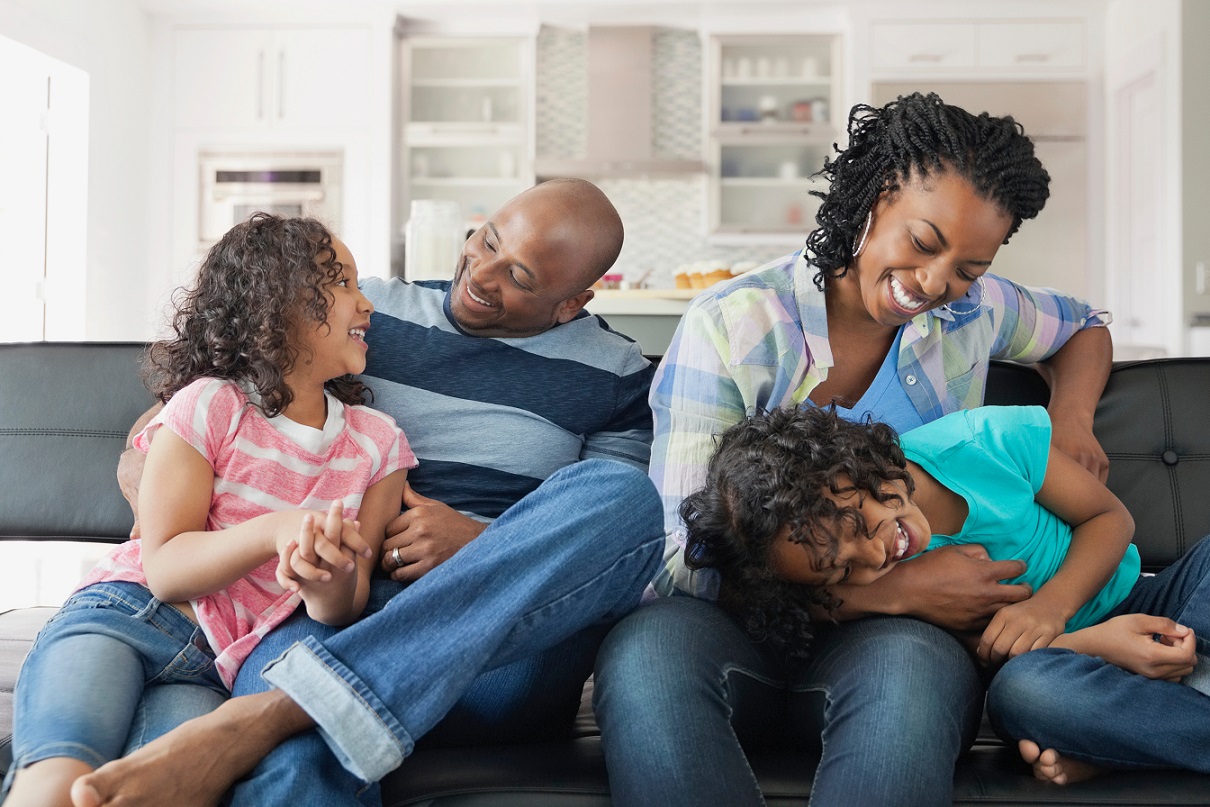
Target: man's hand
{"x": 954, "y": 587}
{"x": 1129, "y": 642}
{"x": 427, "y": 534}
{"x": 130, "y": 472}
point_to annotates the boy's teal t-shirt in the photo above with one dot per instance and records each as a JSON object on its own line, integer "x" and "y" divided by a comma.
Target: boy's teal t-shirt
{"x": 995, "y": 458}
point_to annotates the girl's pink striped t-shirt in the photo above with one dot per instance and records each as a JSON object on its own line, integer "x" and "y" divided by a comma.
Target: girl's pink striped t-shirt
{"x": 260, "y": 466}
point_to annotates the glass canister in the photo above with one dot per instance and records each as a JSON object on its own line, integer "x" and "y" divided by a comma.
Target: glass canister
{"x": 433, "y": 239}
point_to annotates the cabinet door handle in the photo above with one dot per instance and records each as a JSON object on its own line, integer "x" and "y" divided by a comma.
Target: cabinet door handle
{"x": 1031, "y": 58}
{"x": 281, "y": 84}
{"x": 925, "y": 57}
{"x": 260, "y": 85}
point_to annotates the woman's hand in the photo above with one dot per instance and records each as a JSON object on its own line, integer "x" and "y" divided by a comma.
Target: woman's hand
{"x": 1019, "y": 628}
{"x": 954, "y": 587}
{"x": 1129, "y": 641}
{"x": 1076, "y": 440}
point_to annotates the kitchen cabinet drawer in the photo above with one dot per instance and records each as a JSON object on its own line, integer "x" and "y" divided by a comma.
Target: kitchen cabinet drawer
{"x": 1031, "y": 45}
{"x": 923, "y": 45}
{"x": 1002, "y": 46}
{"x": 246, "y": 79}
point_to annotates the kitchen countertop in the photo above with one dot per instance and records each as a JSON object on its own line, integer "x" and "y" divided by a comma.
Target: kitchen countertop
{"x": 648, "y": 302}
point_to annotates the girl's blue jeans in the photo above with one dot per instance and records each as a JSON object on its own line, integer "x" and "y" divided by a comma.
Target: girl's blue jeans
{"x": 113, "y": 669}
{"x": 885, "y": 704}
{"x": 493, "y": 642}
{"x": 1091, "y": 710}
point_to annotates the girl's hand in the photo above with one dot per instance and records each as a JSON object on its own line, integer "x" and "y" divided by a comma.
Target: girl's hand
{"x": 1130, "y": 642}
{"x": 1019, "y": 628}
{"x": 319, "y": 548}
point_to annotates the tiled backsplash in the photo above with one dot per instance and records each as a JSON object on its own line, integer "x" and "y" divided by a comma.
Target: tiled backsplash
{"x": 665, "y": 218}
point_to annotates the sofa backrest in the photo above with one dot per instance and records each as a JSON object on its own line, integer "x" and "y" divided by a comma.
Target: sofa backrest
{"x": 66, "y": 408}
{"x": 65, "y": 411}
{"x": 1151, "y": 422}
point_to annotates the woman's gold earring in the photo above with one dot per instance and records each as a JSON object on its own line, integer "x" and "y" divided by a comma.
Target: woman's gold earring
{"x": 865, "y": 233}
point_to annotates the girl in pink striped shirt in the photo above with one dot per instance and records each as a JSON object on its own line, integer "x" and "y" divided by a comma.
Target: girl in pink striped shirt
{"x": 267, "y": 484}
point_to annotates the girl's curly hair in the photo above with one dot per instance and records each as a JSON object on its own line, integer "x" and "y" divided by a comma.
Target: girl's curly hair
{"x": 768, "y": 472}
{"x": 917, "y": 135}
{"x": 263, "y": 281}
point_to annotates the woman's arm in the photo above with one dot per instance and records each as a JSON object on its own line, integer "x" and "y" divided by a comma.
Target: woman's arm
{"x": 1101, "y": 532}
{"x": 955, "y": 587}
{"x": 1077, "y": 374}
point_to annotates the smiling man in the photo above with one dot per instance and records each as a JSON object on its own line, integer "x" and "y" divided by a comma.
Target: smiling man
{"x": 530, "y": 528}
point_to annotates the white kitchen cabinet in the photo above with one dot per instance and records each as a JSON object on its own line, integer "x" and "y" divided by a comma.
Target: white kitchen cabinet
{"x": 260, "y": 79}
{"x": 772, "y": 120}
{"x": 467, "y": 112}
{"x": 947, "y": 46}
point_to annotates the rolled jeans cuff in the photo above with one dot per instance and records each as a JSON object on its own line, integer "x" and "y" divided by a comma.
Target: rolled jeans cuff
{"x": 362, "y": 733}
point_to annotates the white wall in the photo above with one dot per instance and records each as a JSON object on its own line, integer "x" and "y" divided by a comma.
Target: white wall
{"x": 108, "y": 39}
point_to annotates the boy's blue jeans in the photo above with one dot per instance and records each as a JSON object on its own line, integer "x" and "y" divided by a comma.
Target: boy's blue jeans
{"x": 113, "y": 669}
{"x": 1091, "y": 710}
{"x": 498, "y": 638}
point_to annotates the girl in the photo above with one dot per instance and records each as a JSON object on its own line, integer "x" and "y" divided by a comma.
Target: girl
{"x": 267, "y": 484}
{"x": 798, "y": 501}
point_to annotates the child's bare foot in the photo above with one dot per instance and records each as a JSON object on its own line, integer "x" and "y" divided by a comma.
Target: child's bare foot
{"x": 194, "y": 764}
{"x": 46, "y": 783}
{"x": 1051, "y": 766}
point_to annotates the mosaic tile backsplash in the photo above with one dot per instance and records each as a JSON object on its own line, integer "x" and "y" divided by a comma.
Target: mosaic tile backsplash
{"x": 665, "y": 218}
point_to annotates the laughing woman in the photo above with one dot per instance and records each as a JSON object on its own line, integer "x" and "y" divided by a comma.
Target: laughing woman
{"x": 889, "y": 311}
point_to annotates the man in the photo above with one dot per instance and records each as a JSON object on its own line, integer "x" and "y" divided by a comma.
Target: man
{"x": 511, "y": 397}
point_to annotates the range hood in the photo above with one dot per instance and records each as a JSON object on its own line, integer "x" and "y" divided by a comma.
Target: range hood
{"x": 619, "y": 141}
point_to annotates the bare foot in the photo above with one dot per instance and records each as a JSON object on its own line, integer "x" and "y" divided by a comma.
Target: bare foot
{"x": 45, "y": 783}
{"x": 1051, "y": 766}
{"x": 196, "y": 763}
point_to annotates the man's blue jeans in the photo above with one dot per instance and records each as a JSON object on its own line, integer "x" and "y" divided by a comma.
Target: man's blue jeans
{"x": 888, "y": 703}
{"x": 1091, "y": 710}
{"x": 504, "y": 631}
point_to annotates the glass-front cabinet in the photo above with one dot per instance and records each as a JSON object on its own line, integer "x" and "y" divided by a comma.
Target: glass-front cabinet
{"x": 771, "y": 111}
{"x": 467, "y": 122}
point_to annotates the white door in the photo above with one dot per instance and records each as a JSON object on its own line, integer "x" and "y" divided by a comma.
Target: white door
{"x": 1143, "y": 194}
{"x": 24, "y": 96}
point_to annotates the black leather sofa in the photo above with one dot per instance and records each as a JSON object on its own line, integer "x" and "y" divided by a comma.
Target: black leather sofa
{"x": 65, "y": 410}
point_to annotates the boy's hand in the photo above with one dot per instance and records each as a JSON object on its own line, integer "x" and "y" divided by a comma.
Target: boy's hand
{"x": 1130, "y": 642}
{"x": 1019, "y": 628}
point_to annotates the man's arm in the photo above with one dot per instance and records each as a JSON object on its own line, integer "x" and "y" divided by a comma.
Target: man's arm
{"x": 130, "y": 466}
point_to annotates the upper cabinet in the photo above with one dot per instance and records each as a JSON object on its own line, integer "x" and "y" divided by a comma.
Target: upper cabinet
{"x": 249, "y": 79}
{"x": 772, "y": 120}
{"x": 1014, "y": 46}
{"x": 467, "y": 110}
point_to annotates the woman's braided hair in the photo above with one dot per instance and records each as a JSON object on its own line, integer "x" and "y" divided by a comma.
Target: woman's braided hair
{"x": 918, "y": 135}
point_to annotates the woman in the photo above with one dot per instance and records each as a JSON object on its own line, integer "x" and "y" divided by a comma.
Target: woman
{"x": 889, "y": 311}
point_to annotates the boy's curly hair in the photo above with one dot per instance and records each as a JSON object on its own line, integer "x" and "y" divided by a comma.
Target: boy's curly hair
{"x": 918, "y": 135}
{"x": 768, "y": 472}
{"x": 264, "y": 280}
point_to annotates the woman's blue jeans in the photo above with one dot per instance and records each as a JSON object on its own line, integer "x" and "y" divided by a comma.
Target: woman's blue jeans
{"x": 495, "y": 641}
{"x": 1088, "y": 709}
{"x": 112, "y": 670}
{"x": 887, "y": 704}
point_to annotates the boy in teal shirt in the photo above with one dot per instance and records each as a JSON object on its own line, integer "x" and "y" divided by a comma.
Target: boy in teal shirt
{"x": 800, "y": 504}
